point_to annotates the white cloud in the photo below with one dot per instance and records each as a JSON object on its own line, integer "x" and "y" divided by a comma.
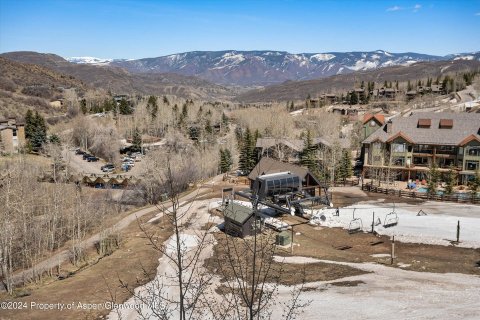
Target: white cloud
{"x": 394, "y": 8}
{"x": 417, "y": 7}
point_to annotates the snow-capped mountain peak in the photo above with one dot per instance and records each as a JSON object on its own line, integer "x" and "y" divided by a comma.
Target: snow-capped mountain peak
{"x": 235, "y": 67}
{"x": 88, "y": 60}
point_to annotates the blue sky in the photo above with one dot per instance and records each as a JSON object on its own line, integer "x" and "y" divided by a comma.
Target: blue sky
{"x": 137, "y": 29}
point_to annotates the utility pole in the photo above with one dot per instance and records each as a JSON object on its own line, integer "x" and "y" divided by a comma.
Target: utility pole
{"x": 393, "y": 250}
{"x": 458, "y": 231}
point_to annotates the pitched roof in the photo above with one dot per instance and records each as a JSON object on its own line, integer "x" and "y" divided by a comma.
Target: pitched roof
{"x": 269, "y": 165}
{"x": 294, "y": 144}
{"x": 400, "y": 135}
{"x": 468, "y": 139}
{"x": 379, "y": 117}
{"x": 465, "y": 125}
{"x": 237, "y": 212}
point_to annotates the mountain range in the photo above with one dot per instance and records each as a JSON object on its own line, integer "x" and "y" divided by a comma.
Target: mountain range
{"x": 118, "y": 80}
{"x": 263, "y": 68}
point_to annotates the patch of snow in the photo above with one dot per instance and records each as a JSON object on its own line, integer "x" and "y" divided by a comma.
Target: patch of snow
{"x": 270, "y": 53}
{"x": 380, "y": 255}
{"x": 432, "y": 229}
{"x": 363, "y": 65}
{"x": 88, "y": 60}
{"x": 408, "y": 62}
{"x": 388, "y": 293}
{"x": 375, "y": 56}
{"x": 322, "y": 57}
{"x": 403, "y": 265}
{"x": 296, "y": 112}
{"x": 230, "y": 59}
{"x": 464, "y": 58}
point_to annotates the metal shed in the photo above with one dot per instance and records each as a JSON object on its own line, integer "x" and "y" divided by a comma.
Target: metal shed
{"x": 239, "y": 220}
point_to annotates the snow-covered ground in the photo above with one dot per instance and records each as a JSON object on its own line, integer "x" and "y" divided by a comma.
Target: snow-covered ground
{"x": 148, "y": 296}
{"x": 438, "y": 226}
{"x": 390, "y": 293}
{"x": 383, "y": 293}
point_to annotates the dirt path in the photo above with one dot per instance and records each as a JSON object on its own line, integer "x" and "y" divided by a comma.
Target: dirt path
{"x": 62, "y": 256}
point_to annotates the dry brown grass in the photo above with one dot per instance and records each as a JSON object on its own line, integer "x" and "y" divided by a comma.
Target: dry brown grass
{"x": 97, "y": 282}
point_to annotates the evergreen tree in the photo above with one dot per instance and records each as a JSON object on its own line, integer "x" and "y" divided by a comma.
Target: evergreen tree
{"x": 248, "y": 157}
{"x": 83, "y": 106}
{"x": 165, "y": 100}
{"x": 474, "y": 184}
{"x": 353, "y": 98}
{"x": 292, "y": 106}
{"x": 208, "y": 127}
{"x": 396, "y": 84}
{"x": 185, "y": 111}
{"x": 245, "y": 153}
{"x": 307, "y": 156}
{"x": 344, "y": 170}
{"x": 125, "y": 107}
{"x": 225, "y": 160}
{"x": 409, "y": 86}
{"x": 433, "y": 178}
{"x": 450, "y": 180}
{"x": 136, "y": 141}
{"x": 37, "y": 135}
{"x": 225, "y": 119}
{"x": 54, "y": 139}
{"x": 193, "y": 133}
{"x": 152, "y": 106}
{"x": 29, "y": 124}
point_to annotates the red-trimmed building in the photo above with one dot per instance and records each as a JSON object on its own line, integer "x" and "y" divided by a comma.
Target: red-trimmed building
{"x": 410, "y": 145}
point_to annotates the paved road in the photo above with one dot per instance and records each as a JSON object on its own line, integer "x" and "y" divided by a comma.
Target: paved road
{"x": 63, "y": 256}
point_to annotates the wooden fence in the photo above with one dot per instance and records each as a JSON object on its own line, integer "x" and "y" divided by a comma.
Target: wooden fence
{"x": 462, "y": 198}
{"x": 342, "y": 183}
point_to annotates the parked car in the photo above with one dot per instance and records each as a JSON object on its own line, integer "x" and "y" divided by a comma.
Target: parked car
{"x": 126, "y": 167}
{"x": 86, "y": 155}
{"x": 92, "y": 159}
{"x": 79, "y": 152}
{"x": 108, "y": 170}
{"x": 108, "y": 165}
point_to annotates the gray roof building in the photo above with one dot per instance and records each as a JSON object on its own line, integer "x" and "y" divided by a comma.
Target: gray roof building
{"x": 430, "y": 129}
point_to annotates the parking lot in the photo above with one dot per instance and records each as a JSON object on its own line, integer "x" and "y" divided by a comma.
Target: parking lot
{"x": 78, "y": 165}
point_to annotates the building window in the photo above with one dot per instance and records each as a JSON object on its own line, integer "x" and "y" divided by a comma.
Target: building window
{"x": 447, "y": 148}
{"x": 377, "y": 146}
{"x": 398, "y": 161}
{"x": 471, "y": 165}
{"x": 420, "y": 160}
{"x": 398, "y": 147}
{"x": 473, "y": 151}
